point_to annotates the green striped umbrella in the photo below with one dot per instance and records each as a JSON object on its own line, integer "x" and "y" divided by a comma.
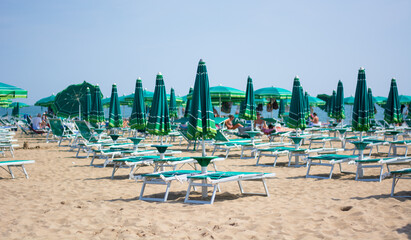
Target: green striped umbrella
{"x": 296, "y": 117}
{"x": 87, "y": 108}
{"x": 306, "y": 106}
{"x": 392, "y": 111}
{"x": 404, "y": 99}
{"x": 5, "y": 103}
{"x": 97, "y": 113}
{"x": 315, "y": 102}
{"x": 46, "y": 102}
{"x": 138, "y": 114}
{"x": 172, "y": 107}
{"x": 360, "y": 116}
{"x": 332, "y": 104}
{"x": 281, "y": 109}
{"x": 70, "y": 101}
{"x": 188, "y": 104}
{"x": 8, "y": 91}
{"x": 20, "y": 104}
{"x": 339, "y": 111}
{"x": 371, "y": 102}
{"x": 201, "y": 121}
{"x": 115, "y": 119}
{"x": 272, "y": 92}
{"x": 159, "y": 118}
{"x": 249, "y": 109}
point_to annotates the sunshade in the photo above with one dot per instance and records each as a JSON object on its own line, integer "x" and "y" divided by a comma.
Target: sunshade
{"x": 16, "y": 110}
{"x": 87, "y": 108}
{"x": 281, "y": 108}
{"x": 8, "y": 91}
{"x": 404, "y": 99}
{"x": 306, "y": 106}
{"x": 325, "y": 98}
{"x": 272, "y": 92}
{"x": 371, "y": 102}
{"x": 159, "y": 118}
{"x": 315, "y": 102}
{"x": 72, "y": 100}
{"x": 97, "y": 113}
{"x": 115, "y": 119}
{"x": 20, "y": 104}
{"x": 392, "y": 111}
{"x": 380, "y": 100}
{"x": 349, "y": 100}
{"x": 249, "y": 111}
{"x": 105, "y": 102}
{"x": 296, "y": 117}
{"x": 332, "y": 104}
{"x": 138, "y": 115}
{"x": 201, "y": 121}
{"x": 172, "y": 107}
{"x": 339, "y": 111}
{"x": 46, "y": 102}
{"x": 360, "y": 116}
{"x": 5, "y": 103}
{"x": 188, "y": 104}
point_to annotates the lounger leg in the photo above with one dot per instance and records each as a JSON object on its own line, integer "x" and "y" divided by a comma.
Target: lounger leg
{"x": 215, "y": 147}
{"x": 331, "y": 172}
{"x": 24, "y": 171}
{"x": 10, "y": 171}
{"x": 394, "y": 182}
{"x": 308, "y": 168}
{"x": 275, "y": 161}
{"x": 115, "y": 168}
{"x": 92, "y": 160}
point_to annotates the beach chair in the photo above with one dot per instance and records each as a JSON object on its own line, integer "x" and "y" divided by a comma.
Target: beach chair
{"x": 190, "y": 142}
{"x": 58, "y": 129}
{"x": 323, "y": 140}
{"x": 395, "y": 145}
{"x": 214, "y": 179}
{"x": 223, "y": 143}
{"x": 396, "y": 176}
{"x": 330, "y": 160}
{"x": 273, "y": 152}
{"x": 17, "y": 164}
{"x": 378, "y": 163}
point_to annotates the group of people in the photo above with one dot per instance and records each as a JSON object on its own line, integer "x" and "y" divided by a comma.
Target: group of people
{"x": 38, "y": 122}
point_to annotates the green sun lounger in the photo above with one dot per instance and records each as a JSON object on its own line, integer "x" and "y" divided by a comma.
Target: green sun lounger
{"x": 328, "y": 160}
{"x": 15, "y": 163}
{"x": 396, "y": 176}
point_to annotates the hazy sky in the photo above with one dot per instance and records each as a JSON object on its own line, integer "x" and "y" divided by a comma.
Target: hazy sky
{"x": 48, "y": 45}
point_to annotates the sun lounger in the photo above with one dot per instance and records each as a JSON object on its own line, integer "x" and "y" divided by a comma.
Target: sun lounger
{"x": 58, "y": 130}
{"x": 395, "y": 145}
{"x": 331, "y": 160}
{"x": 15, "y": 163}
{"x": 272, "y": 152}
{"x": 213, "y": 179}
{"x": 396, "y": 176}
{"x": 379, "y": 164}
{"x": 323, "y": 140}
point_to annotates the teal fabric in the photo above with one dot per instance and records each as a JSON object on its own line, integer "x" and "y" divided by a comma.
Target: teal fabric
{"x": 392, "y": 111}
{"x": 296, "y": 118}
{"x": 115, "y": 119}
{"x": 372, "y": 103}
{"x": 87, "y": 107}
{"x": 173, "y": 104}
{"x": 159, "y": 118}
{"x": 360, "y": 116}
{"x": 339, "y": 111}
{"x": 97, "y": 113}
{"x": 188, "y": 104}
{"x": 249, "y": 111}
{"x": 138, "y": 114}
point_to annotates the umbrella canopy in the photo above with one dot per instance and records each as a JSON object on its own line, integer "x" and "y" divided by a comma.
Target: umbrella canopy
{"x": 72, "y": 100}
{"x": 360, "y": 116}
{"x": 281, "y": 108}
{"x": 115, "y": 119}
{"x": 349, "y": 100}
{"x": 16, "y": 110}
{"x": 332, "y": 104}
{"x": 19, "y": 104}
{"x": 8, "y": 91}
{"x": 46, "y": 102}
{"x": 172, "y": 107}
{"x": 404, "y": 99}
{"x": 223, "y": 93}
{"x": 371, "y": 102}
{"x": 138, "y": 114}
{"x": 249, "y": 111}
{"x": 339, "y": 111}
{"x": 105, "y": 102}
{"x": 87, "y": 108}
{"x": 159, "y": 118}
{"x": 392, "y": 111}
{"x": 296, "y": 117}
{"x": 5, "y": 103}
{"x": 96, "y": 112}
{"x": 188, "y": 104}
{"x": 315, "y": 102}
{"x": 201, "y": 121}
{"x": 272, "y": 92}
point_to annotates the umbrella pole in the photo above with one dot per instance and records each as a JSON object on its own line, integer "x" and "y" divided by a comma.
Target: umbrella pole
{"x": 204, "y": 192}
{"x": 203, "y": 147}
{"x": 79, "y": 110}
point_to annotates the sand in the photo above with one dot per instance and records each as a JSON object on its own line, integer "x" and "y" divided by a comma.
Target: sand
{"x": 65, "y": 198}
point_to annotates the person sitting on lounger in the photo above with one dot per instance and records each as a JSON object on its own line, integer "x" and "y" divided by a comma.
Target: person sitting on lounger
{"x": 260, "y": 124}
{"x": 315, "y": 121}
{"x": 37, "y": 122}
{"x": 229, "y": 123}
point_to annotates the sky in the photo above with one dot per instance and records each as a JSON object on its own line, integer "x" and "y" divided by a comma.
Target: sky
{"x": 47, "y": 45}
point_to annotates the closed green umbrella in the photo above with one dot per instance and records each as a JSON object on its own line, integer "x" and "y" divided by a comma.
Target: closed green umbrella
{"x": 159, "y": 118}
{"x": 8, "y": 92}
{"x": 371, "y": 102}
{"x": 281, "y": 108}
{"x": 173, "y": 104}
{"x": 249, "y": 110}
{"x": 296, "y": 117}
{"x": 201, "y": 121}
{"x": 96, "y": 112}
{"x": 138, "y": 114}
{"x": 392, "y": 111}
{"x": 45, "y": 102}
{"x": 339, "y": 111}
{"x": 87, "y": 108}
{"x": 70, "y": 101}
{"x": 306, "y": 106}
{"x": 361, "y": 112}
{"x": 332, "y": 104}
{"x": 16, "y": 110}
{"x": 188, "y": 104}
{"x": 114, "y": 118}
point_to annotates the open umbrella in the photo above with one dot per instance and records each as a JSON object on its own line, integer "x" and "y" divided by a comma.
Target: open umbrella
{"x": 45, "y": 102}
{"x": 188, "y": 104}
{"x": 272, "y": 92}
{"x": 114, "y": 118}
{"x": 173, "y": 104}
{"x": 96, "y": 112}
{"x": 371, "y": 102}
{"x": 159, "y": 118}
{"x": 138, "y": 114}
{"x": 404, "y": 99}
{"x": 20, "y": 104}
{"x": 339, "y": 111}
{"x": 392, "y": 111}
{"x": 72, "y": 100}
{"x": 296, "y": 117}
{"x": 5, "y": 103}
{"x": 8, "y": 92}
{"x": 349, "y": 100}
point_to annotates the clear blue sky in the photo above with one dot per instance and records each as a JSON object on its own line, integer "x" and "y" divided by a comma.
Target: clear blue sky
{"x": 48, "y": 45}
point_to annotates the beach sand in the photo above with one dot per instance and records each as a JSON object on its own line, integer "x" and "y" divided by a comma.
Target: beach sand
{"x": 65, "y": 198}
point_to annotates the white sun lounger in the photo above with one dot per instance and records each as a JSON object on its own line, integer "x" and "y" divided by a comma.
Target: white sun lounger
{"x": 15, "y": 163}
{"x": 378, "y": 163}
{"x": 396, "y": 176}
{"x": 331, "y": 160}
